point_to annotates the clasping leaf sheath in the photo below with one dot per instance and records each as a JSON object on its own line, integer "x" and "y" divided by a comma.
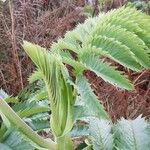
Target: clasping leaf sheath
{"x": 60, "y": 92}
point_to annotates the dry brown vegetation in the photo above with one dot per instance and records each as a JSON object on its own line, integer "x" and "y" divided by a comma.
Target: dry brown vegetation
{"x": 44, "y": 21}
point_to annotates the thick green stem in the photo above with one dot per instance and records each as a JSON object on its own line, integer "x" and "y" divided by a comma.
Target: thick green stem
{"x": 64, "y": 143}
{"x": 23, "y": 127}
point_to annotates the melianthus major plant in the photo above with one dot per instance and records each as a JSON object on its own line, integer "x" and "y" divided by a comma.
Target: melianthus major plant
{"x": 122, "y": 35}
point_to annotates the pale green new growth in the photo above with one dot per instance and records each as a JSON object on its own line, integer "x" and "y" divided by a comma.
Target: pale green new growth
{"x": 132, "y": 134}
{"x": 100, "y": 133}
{"x": 123, "y": 135}
{"x": 117, "y": 35}
{"x": 60, "y": 92}
{"x": 121, "y": 35}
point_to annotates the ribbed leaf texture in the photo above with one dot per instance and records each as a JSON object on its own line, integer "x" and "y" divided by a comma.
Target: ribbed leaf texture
{"x": 89, "y": 99}
{"x": 59, "y": 90}
{"x": 80, "y": 131}
{"x": 132, "y": 134}
{"x": 100, "y": 134}
{"x": 38, "y": 122}
{"x": 123, "y": 135}
{"x": 32, "y": 106}
{"x": 27, "y": 109}
{"x": 106, "y": 72}
{"x": 16, "y": 141}
{"x": 122, "y": 35}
